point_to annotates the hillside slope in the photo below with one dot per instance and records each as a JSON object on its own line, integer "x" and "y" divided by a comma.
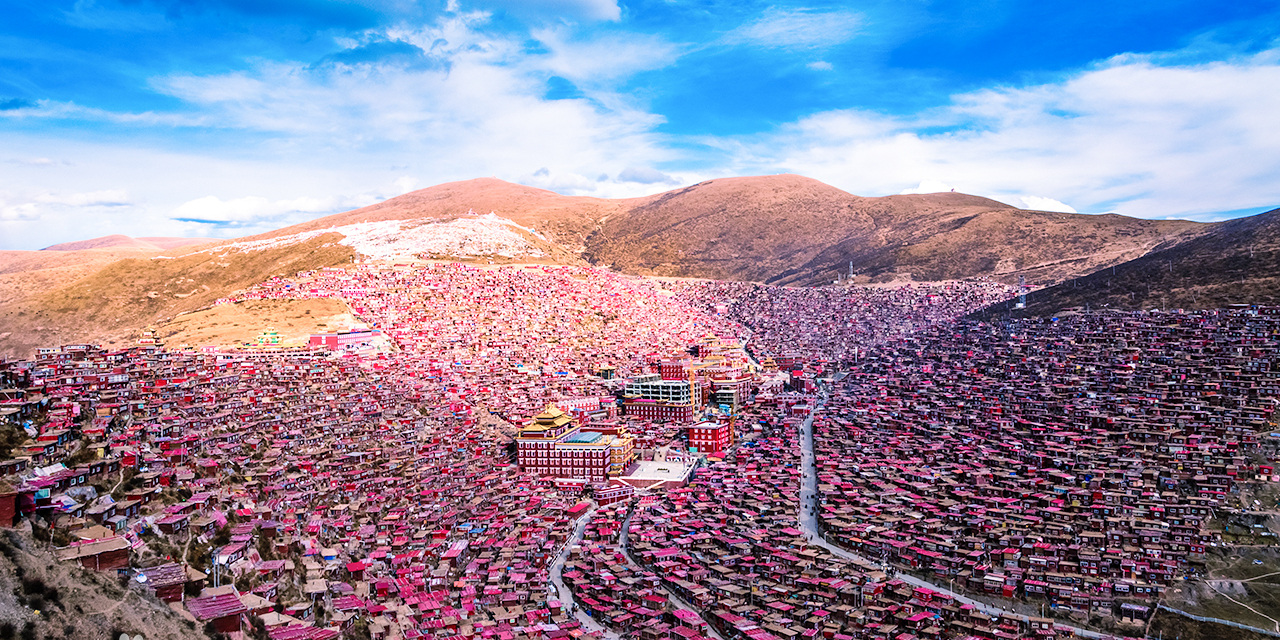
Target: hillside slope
{"x": 1231, "y": 262}
{"x": 565, "y": 220}
{"x": 125, "y": 242}
{"x": 730, "y": 229}
{"x": 784, "y": 229}
{"x": 792, "y": 230}
{"x": 111, "y": 304}
{"x": 63, "y": 600}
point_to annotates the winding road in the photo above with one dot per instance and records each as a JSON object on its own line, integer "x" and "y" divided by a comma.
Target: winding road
{"x": 626, "y": 552}
{"x": 809, "y": 524}
{"x": 562, "y": 591}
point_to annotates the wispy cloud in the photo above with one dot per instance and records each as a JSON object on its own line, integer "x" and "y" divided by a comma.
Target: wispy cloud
{"x": 1039, "y": 203}
{"x": 105, "y": 198}
{"x": 606, "y": 10}
{"x": 20, "y": 206}
{"x": 63, "y": 110}
{"x": 250, "y": 211}
{"x": 38, "y": 162}
{"x": 646, "y": 175}
{"x": 1129, "y": 136}
{"x": 797, "y": 28}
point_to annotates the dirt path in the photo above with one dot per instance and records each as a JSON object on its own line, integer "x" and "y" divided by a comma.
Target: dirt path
{"x": 113, "y": 607}
{"x": 1274, "y": 622}
{"x": 118, "y": 483}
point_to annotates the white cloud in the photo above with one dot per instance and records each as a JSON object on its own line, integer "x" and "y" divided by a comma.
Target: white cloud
{"x": 560, "y": 181}
{"x": 928, "y": 186}
{"x": 1128, "y": 136}
{"x": 87, "y": 14}
{"x": 797, "y": 29}
{"x": 479, "y": 111}
{"x": 405, "y": 184}
{"x": 105, "y": 198}
{"x": 597, "y": 9}
{"x": 15, "y": 209}
{"x": 602, "y": 59}
{"x": 820, "y": 65}
{"x": 645, "y": 175}
{"x": 214, "y": 210}
{"x": 607, "y": 10}
{"x": 28, "y": 205}
{"x": 61, "y": 110}
{"x": 1038, "y": 203}
{"x": 36, "y": 162}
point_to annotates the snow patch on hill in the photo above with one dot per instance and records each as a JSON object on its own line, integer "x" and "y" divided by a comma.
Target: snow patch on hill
{"x": 486, "y": 235}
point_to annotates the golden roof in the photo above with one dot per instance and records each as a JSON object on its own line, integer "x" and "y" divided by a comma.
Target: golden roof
{"x": 550, "y": 417}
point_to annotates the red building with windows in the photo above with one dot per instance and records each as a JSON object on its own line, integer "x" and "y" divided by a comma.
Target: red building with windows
{"x": 554, "y": 445}
{"x": 710, "y": 437}
{"x": 657, "y": 410}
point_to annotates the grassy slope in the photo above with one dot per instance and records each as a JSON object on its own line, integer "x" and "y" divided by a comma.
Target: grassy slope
{"x": 112, "y": 304}
{"x": 233, "y": 324}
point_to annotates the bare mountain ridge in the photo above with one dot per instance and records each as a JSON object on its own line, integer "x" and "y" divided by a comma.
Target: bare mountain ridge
{"x": 793, "y": 230}
{"x": 566, "y": 220}
{"x": 782, "y": 229}
{"x": 788, "y": 229}
{"x": 1232, "y": 262}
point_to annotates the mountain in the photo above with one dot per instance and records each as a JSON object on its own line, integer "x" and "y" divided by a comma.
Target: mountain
{"x": 1231, "y": 262}
{"x": 41, "y": 597}
{"x": 732, "y": 229}
{"x": 792, "y": 230}
{"x": 781, "y": 229}
{"x": 563, "y": 220}
{"x": 125, "y": 242}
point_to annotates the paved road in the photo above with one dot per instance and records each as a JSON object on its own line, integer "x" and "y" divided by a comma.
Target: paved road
{"x": 809, "y": 524}
{"x": 557, "y": 580}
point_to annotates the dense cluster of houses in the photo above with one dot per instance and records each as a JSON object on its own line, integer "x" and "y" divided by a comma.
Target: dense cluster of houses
{"x": 725, "y": 557}
{"x": 833, "y": 325}
{"x": 326, "y": 486}
{"x": 332, "y": 488}
{"x": 1085, "y": 461}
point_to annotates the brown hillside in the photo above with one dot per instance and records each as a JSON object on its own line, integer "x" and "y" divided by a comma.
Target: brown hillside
{"x": 792, "y": 230}
{"x": 1231, "y": 262}
{"x": 63, "y": 600}
{"x": 787, "y": 229}
{"x": 782, "y": 229}
{"x": 174, "y": 243}
{"x": 567, "y": 220}
{"x": 111, "y": 305}
{"x": 236, "y": 324}
{"x": 932, "y": 237}
{"x": 734, "y": 228}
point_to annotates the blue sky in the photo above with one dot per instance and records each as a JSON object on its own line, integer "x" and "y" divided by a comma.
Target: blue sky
{"x": 225, "y": 118}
